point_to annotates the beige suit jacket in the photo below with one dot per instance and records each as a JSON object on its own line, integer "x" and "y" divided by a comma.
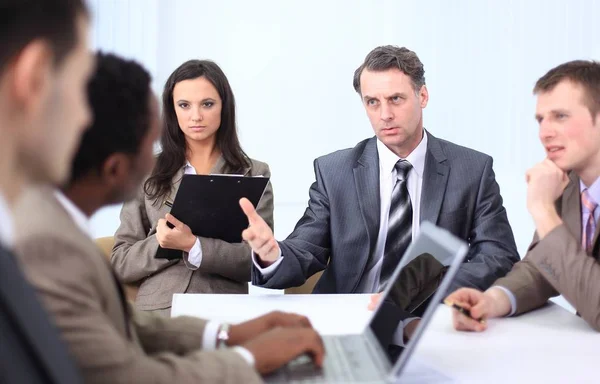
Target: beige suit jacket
{"x": 111, "y": 342}
{"x": 225, "y": 267}
{"x": 557, "y": 264}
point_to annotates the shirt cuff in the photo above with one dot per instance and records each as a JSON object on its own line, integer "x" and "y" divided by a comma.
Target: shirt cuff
{"x": 511, "y": 298}
{"x": 209, "y": 338}
{"x": 270, "y": 270}
{"x": 398, "y": 337}
{"x": 246, "y": 355}
{"x": 195, "y": 254}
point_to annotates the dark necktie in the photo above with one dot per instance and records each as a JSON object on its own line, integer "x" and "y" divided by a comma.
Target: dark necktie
{"x": 399, "y": 233}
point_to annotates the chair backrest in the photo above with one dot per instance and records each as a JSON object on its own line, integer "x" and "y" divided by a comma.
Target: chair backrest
{"x": 106, "y": 244}
{"x": 307, "y": 287}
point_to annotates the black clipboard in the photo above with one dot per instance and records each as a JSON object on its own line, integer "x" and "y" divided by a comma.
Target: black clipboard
{"x": 209, "y": 205}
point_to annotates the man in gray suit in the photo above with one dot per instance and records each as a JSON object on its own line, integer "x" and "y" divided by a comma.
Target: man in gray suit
{"x": 367, "y": 202}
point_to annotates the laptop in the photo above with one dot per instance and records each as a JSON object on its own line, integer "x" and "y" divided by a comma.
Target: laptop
{"x": 374, "y": 355}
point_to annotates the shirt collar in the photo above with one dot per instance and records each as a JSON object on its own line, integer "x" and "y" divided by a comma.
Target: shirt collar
{"x": 6, "y": 224}
{"x": 188, "y": 169}
{"x": 593, "y": 190}
{"x": 388, "y": 159}
{"x": 82, "y": 221}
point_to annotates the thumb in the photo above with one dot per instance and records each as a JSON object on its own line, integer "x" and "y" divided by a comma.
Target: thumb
{"x": 479, "y": 310}
{"x": 249, "y": 211}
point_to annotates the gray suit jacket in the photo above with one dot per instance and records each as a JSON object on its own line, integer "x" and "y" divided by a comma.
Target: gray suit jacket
{"x": 341, "y": 224}
{"x": 225, "y": 267}
{"x": 111, "y": 342}
{"x": 557, "y": 264}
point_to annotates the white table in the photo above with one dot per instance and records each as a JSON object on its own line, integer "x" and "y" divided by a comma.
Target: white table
{"x": 322, "y": 310}
{"x": 549, "y": 345}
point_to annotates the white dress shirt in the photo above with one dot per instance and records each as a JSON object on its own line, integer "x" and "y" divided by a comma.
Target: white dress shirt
{"x": 6, "y": 224}
{"x": 209, "y": 337}
{"x": 387, "y": 177}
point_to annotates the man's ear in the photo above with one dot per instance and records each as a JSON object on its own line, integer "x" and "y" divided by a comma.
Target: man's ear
{"x": 423, "y": 96}
{"x": 32, "y": 76}
{"x": 116, "y": 169}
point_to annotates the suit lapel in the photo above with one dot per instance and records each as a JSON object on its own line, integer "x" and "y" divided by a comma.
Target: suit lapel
{"x": 571, "y": 206}
{"x": 219, "y": 167}
{"x": 435, "y": 178}
{"x": 366, "y": 180}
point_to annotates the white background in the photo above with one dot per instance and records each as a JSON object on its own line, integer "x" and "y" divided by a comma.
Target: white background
{"x": 290, "y": 64}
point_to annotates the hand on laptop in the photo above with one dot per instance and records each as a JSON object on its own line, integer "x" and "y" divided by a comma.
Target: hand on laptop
{"x": 243, "y": 332}
{"x": 259, "y": 235}
{"x": 481, "y": 305}
{"x": 179, "y": 237}
{"x": 277, "y": 347}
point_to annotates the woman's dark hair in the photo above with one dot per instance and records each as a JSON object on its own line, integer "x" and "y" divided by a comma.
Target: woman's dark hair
{"x": 172, "y": 156}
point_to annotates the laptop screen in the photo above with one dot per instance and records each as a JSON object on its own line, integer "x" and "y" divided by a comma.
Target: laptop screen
{"x": 410, "y": 291}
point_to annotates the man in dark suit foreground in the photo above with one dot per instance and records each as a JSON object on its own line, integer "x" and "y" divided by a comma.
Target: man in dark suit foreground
{"x": 44, "y": 66}
{"x": 367, "y": 202}
{"x": 563, "y": 192}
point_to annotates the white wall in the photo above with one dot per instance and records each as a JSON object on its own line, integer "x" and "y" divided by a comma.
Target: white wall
{"x": 291, "y": 65}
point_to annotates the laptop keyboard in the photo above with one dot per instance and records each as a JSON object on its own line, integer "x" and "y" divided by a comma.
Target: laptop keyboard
{"x": 348, "y": 360}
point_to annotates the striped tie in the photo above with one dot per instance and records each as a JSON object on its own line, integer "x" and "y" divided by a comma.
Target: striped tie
{"x": 589, "y": 228}
{"x": 399, "y": 233}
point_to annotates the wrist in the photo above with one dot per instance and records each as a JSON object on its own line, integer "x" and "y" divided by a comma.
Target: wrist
{"x": 545, "y": 221}
{"x": 541, "y": 208}
{"x": 190, "y": 243}
{"x": 499, "y": 303}
{"x": 263, "y": 263}
{"x": 236, "y": 337}
{"x": 268, "y": 259}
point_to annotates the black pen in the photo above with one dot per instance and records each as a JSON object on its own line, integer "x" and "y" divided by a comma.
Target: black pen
{"x": 462, "y": 310}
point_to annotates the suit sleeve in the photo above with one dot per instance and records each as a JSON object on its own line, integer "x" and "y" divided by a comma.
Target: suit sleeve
{"x": 133, "y": 253}
{"x": 492, "y": 251}
{"x": 306, "y": 251}
{"x": 170, "y": 348}
{"x": 557, "y": 265}
{"x": 234, "y": 260}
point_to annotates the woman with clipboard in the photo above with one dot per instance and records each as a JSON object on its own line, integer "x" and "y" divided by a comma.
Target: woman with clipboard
{"x": 199, "y": 137}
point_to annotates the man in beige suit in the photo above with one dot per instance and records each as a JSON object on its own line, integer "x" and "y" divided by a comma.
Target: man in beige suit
{"x": 110, "y": 341}
{"x": 563, "y": 192}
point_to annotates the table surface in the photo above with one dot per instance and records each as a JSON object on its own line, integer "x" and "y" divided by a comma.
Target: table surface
{"x": 549, "y": 345}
